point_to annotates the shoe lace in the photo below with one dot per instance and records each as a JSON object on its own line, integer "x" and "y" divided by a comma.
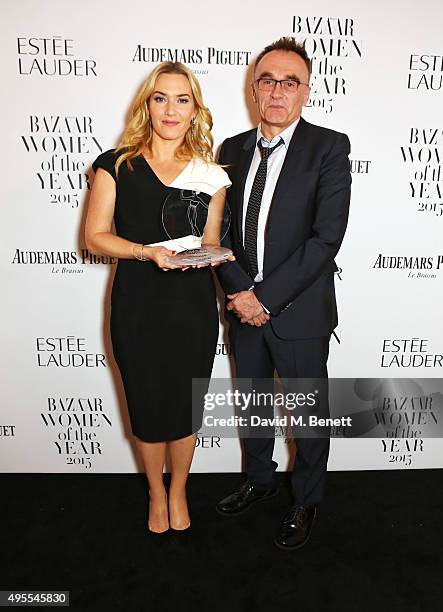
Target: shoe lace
{"x": 296, "y": 516}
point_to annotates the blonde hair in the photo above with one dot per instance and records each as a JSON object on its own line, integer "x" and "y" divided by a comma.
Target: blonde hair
{"x": 198, "y": 141}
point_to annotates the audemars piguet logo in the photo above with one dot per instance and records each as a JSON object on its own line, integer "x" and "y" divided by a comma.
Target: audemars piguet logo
{"x": 61, "y": 262}
{"x": 223, "y": 349}
{"x": 210, "y": 56}
{"x": 360, "y": 166}
{"x": 7, "y": 431}
{"x": 416, "y": 266}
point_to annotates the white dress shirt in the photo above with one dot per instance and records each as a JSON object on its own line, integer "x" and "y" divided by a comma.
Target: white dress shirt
{"x": 275, "y": 163}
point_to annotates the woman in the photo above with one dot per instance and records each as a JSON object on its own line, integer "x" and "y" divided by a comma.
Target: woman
{"x": 164, "y": 322}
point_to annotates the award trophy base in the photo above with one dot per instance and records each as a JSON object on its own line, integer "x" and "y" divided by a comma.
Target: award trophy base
{"x": 203, "y": 256}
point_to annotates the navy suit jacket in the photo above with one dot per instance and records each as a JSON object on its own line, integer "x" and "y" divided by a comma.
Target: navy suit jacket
{"x": 304, "y": 230}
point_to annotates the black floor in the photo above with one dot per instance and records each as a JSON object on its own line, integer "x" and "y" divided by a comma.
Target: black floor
{"x": 376, "y": 545}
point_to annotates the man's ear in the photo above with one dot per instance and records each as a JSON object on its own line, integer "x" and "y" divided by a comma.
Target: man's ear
{"x": 253, "y": 92}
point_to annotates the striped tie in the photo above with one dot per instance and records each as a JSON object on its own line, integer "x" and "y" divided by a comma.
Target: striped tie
{"x": 254, "y": 203}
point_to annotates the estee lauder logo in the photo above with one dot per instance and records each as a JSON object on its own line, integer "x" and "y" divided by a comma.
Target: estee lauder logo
{"x": 65, "y": 352}
{"x": 207, "y": 442}
{"x": 425, "y": 72}
{"x": 210, "y": 55}
{"x": 409, "y": 353}
{"x": 51, "y": 56}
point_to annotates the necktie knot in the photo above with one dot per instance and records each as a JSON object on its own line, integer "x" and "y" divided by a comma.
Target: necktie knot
{"x": 267, "y": 151}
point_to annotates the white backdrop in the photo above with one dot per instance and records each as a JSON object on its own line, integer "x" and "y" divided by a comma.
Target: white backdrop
{"x": 69, "y": 73}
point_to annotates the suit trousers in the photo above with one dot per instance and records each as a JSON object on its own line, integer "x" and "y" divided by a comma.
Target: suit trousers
{"x": 258, "y": 351}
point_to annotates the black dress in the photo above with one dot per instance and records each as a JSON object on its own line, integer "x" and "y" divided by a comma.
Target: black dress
{"x": 164, "y": 325}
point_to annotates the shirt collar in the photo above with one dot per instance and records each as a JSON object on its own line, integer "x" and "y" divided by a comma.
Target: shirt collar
{"x": 286, "y": 135}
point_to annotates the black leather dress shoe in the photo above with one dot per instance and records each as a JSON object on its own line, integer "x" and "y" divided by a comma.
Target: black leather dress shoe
{"x": 296, "y": 527}
{"x": 247, "y": 495}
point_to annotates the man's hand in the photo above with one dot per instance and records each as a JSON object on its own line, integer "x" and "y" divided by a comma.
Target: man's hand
{"x": 247, "y": 307}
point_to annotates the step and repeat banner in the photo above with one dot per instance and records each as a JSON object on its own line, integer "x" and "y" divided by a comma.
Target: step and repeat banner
{"x": 69, "y": 73}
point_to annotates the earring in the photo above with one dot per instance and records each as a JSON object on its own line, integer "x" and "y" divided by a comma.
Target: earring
{"x": 193, "y": 127}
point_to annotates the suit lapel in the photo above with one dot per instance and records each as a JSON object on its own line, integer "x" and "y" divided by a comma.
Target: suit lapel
{"x": 289, "y": 167}
{"x": 243, "y": 168}
{"x": 292, "y": 160}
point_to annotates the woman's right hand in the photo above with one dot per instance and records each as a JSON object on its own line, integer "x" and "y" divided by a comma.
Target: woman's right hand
{"x": 160, "y": 255}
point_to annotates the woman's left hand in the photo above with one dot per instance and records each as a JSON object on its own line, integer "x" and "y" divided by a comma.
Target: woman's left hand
{"x": 213, "y": 265}
{"x": 222, "y": 261}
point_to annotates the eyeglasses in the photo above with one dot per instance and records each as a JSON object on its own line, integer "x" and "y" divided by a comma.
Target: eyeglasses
{"x": 287, "y": 85}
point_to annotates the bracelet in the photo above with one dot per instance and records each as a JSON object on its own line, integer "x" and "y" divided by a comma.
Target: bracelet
{"x": 140, "y": 258}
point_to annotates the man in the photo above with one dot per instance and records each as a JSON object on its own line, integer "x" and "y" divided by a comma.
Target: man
{"x": 289, "y": 209}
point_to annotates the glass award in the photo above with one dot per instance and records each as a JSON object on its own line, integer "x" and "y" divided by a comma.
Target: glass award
{"x": 185, "y": 214}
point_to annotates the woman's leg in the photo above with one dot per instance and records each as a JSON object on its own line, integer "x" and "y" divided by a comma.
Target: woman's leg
{"x": 181, "y": 453}
{"x": 153, "y": 454}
